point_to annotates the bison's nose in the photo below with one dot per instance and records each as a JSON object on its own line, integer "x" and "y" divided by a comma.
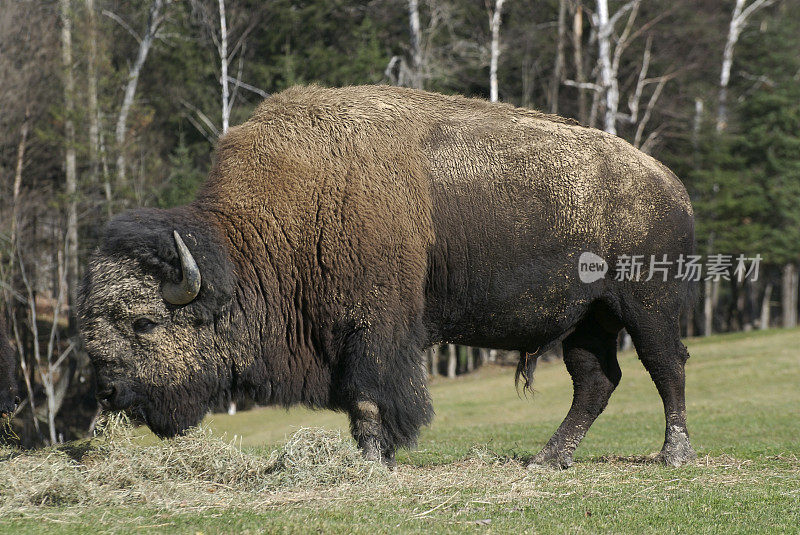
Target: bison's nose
{"x": 106, "y": 396}
{"x": 114, "y": 396}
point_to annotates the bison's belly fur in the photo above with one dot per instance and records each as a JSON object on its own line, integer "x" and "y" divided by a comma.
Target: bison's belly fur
{"x": 342, "y": 231}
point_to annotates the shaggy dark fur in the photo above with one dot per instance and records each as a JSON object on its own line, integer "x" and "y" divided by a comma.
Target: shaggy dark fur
{"x": 8, "y": 380}
{"x": 341, "y": 231}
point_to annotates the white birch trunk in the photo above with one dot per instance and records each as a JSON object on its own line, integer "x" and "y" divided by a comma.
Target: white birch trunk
{"x": 708, "y": 308}
{"x": 741, "y": 12}
{"x": 765, "y": 307}
{"x": 452, "y": 361}
{"x": 577, "y": 58}
{"x": 121, "y": 130}
{"x": 20, "y": 164}
{"x": 70, "y": 166}
{"x": 223, "y": 58}
{"x": 416, "y": 44}
{"x": 433, "y": 361}
{"x": 727, "y": 62}
{"x": 94, "y": 111}
{"x": 697, "y": 124}
{"x": 789, "y": 292}
{"x": 608, "y": 80}
{"x": 494, "y": 25}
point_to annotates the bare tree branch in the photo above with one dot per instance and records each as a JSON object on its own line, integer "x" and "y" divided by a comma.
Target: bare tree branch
{"x": 119, "y": 20}
{"x": 155, "y": 17}
{"x": 251, "y": 88}
{"x": 648, "y": 111}
{"x": 203, "y": 117}
{"x": 583, "y": 85}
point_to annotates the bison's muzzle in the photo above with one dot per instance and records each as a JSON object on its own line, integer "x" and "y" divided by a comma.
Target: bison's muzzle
{"x": 114, "y": 396}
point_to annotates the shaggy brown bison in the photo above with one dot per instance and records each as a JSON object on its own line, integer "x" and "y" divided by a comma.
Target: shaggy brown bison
{"x": 8, "y": 381}
{"x": 341, "y": 231}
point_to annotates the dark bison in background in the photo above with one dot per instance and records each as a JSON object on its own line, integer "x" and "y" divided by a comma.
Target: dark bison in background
{"x": 8, "y": 380}
{"x": 341, "y": 231}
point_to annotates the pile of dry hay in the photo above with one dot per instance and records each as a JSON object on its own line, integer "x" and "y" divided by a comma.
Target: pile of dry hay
{"x": 116, "y": 468}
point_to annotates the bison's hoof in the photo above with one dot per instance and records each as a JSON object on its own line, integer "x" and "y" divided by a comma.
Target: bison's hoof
{"x": 370, "y": 449}
{"x": 388, "y": 460}
{"x": 677, "y": 450}
{"x": 676, "y": 458}
{"x": 547, "y": 460}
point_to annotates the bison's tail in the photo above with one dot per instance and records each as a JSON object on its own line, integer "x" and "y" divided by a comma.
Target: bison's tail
{"x": 525, "y": 368}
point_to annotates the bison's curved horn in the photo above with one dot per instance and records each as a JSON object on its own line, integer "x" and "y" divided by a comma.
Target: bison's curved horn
{"x": 185, "y": 291}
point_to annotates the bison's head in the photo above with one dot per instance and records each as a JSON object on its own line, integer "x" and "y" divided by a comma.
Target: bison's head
{"x": 152, "y": 310}
{"x": 8, "y": 383}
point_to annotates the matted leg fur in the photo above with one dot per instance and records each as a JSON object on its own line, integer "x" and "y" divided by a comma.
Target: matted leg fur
{"x": 590, "y": 354}
{"x": 384, "y": 390}
{"x": 657, "y": 341}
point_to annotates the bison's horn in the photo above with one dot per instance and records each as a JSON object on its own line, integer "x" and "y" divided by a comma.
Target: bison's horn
{"x": 185, "y": 291}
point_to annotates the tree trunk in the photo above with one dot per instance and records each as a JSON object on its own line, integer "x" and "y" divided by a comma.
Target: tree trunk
{"x": 734, "y": 29}
{"x": 708, "y": 308}
{"x": 94, "y": 110}
{"x": 577, "y": 56}
{"x": 470, "y": 359}
{"x": 433, "y": 360}
{"x": 494, "y": 25}
{"x": 71, "y": 178}
{"x": 607, "y": 79}
{"x": 20, "y": 165}
{"x": 121, "y": 130}
{"x": 738, "y": 23}
{"x": 789, "y": 289}
{"x": 416, "y": 44}
{"x": 223, "y": 59}
{"x": 765, "y": 307}
{"x": 697, "y": 123}
{"x": 452, "y": 361}
{"x": 558, "y": 69}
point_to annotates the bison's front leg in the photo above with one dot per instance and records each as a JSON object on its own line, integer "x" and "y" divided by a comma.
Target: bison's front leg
{"x": 365, "y": 424}
{"x": 383, "y": 388}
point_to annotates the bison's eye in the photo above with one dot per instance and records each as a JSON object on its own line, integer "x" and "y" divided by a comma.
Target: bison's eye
{"x": 143, "y": 325}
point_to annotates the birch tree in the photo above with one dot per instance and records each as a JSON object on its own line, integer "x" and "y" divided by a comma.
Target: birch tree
{"x": 494, "y": 26}
{"x": 416, "y": 44}
{"x": 577, "y": 58}
{"x": 220, "y": 29}
{"x": 558, "y": 68}
{"x": 741, "y": 13}
{"x": 70, "y": 165}
{"x": 610, "y": 50}
{"x": 452, "y": 361}
{"x": 91, "y": 82}
{"x": 154, "y": 20}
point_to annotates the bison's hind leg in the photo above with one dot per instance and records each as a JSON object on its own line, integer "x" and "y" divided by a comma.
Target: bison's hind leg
{"x": 656, "y": 336}
{"x": 590, "y": 354}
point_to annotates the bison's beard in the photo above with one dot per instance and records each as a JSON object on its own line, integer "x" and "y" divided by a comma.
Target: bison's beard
{"x": 168, "y": 414}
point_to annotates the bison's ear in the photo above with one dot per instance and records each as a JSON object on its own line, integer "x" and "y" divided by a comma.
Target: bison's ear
{"x": 148, "y": 236}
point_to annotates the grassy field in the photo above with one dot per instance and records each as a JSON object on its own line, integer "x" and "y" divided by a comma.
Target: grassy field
{"x": 744, "y": 417}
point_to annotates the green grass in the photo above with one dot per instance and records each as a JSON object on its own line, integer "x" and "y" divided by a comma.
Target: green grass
{"x": 743, "y": 396}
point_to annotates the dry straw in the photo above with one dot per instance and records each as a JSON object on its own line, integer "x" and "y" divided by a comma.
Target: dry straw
{"x": 117, "y": 468}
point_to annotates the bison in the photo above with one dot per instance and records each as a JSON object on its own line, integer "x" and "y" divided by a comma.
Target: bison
{"x": 342, "y": 231}
{"x": 8, "y": 381}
